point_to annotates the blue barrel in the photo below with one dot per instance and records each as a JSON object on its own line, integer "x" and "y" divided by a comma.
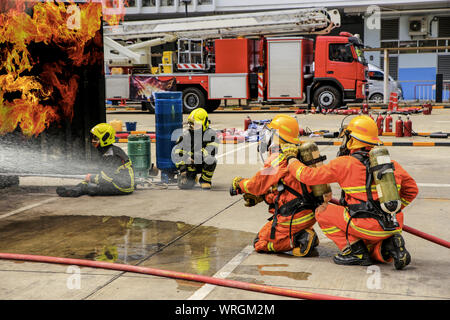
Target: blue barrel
{"x": 168, "y": 117}
{"x": 131, "y": 126}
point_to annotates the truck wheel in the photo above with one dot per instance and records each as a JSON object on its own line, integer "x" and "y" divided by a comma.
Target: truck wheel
{"x": 148, "y": 105}
{"x": 212, "y": 105}
{"x": 327, "y": 97}
{"x": 376, "y": 97}
{"x": 193, "y": 98}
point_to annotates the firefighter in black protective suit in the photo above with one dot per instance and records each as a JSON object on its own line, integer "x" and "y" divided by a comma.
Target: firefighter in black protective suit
{"x": 116, "y": 174}
{"x": 194, "y": 152}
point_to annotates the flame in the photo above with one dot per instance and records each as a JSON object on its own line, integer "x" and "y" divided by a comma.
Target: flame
{"x": 49, "y": 95}
{"x": 114, "y": 11}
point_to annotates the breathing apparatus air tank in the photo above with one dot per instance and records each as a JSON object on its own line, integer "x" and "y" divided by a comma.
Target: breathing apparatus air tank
{"x": 384, "y": 178}
{"x": 310, "y": 156}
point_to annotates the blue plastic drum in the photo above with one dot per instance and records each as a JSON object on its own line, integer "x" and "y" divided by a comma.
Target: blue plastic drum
{"x": 168, "y": 118}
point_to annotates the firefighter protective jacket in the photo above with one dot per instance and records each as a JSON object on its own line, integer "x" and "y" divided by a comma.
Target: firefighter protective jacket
{"x": 115, "y": 169}
{"x": 200, "y": 147}
{"x": 265, "y": 182}
{"x": 350, "y": 174}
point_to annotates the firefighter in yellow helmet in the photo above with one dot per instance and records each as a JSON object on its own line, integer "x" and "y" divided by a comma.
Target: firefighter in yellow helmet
{"x": 290, "y": 202}
{"x": 361, "y": 228}
{"x": 115, "y": 175}
{"x": 194, "y": 152}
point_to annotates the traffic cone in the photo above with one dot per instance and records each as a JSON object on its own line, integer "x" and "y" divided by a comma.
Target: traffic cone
{"x": 394, "y": 101}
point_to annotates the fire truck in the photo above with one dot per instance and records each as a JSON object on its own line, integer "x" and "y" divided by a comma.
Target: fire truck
{"x": 256, "y": 57}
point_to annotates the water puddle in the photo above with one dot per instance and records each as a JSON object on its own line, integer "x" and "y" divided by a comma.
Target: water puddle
{"x": 203, "y": 250}
{"x": 281, "y": 273}
{"x": 265, "y": 270}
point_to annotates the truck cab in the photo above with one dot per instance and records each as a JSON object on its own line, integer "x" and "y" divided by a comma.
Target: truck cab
{"x": 340, "y": 71}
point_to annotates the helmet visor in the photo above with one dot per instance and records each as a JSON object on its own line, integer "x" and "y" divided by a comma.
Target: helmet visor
{"x": 268, "y": 139}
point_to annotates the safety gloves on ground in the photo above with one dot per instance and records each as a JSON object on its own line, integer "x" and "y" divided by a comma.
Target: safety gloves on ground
{"x": 290, "y": 150}
{"x": 252, "y": 200}
{"x": 235, "y": 189}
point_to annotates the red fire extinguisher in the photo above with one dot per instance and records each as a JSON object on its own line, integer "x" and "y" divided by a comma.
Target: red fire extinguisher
{"x": 407, "y": 127}
{"x": 388, "y": 123}
{"x": 370, "y": 115}
{"x": 365, "y": 108}
{"x": 399, "y": 127}
{"x": 247, "y": 122}
{"x": 380, "y": 120}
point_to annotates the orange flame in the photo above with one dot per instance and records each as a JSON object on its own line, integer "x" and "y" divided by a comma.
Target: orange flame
{"x": 49, "y": 24}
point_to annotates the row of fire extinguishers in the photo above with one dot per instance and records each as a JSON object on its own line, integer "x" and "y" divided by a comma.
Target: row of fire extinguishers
{"x": 402, "y": 128}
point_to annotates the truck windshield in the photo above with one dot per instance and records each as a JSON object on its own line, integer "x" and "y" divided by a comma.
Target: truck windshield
{"x": 360, "y": 55}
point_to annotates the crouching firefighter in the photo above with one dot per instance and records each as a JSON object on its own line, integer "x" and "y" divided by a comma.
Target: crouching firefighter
{"x": 369, "y": 221}
{"x": 115, "y": 175}
{"x": 291, "y": 203}
{"x": 195, "y": 150}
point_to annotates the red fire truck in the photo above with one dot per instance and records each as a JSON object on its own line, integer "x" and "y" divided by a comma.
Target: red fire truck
{"x": 327, "y": 71}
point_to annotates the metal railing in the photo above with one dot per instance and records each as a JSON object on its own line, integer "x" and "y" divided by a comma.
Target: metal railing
{"x": 428, "y": 92}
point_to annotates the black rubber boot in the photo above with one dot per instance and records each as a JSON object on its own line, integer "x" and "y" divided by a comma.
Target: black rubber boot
{"x": 79, "y": 190}
{"x": 185, "y": 181}
{"x": 72, "y": 192}
{"x": 304, "y": 243}
{"x": 356, "y": 254}
{"x": 395, "y": 247}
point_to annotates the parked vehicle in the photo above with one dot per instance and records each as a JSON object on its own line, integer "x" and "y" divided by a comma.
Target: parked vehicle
{"x": 248, "y": 65}
{"x": 376, "y": 85}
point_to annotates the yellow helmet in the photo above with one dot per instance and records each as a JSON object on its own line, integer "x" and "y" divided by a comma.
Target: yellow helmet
{"x": 105, "y": 133}
{"x": 199, "y": 116}
{"x": 364, "y": 132}
{"x": 287, "y": 128}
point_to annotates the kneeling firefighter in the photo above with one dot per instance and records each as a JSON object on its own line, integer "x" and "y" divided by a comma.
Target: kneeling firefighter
{"x": 369, "y": 221}
{"x": 116, "y": 174}
{"x": 291, "y": 202}
{"x": 194, "y": 152}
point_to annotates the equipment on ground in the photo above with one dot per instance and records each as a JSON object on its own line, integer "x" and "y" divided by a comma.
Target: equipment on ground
{"x": 399, "y": 127}
{"x": 169, "y": 126}
{"x": 253, "y": 57}
{"x": 388, "y": 123}
{"x": 139, "y": 152}
{"x": 380, "y": 121}
{"x": 407, "y": 127}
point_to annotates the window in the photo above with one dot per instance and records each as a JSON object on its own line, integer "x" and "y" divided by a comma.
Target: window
{"x": 148, "y": 3}
{"x": 340, "y": 52}
{"x": 376, "y": 75}
{"x": 389, "y": 29}
{"x": 444, "y": 66}
{"x": 200, "y": 2}
{"x": 393, "y": 65}
{"x": 166, "y": 3}
{"x": 444, "y": 27}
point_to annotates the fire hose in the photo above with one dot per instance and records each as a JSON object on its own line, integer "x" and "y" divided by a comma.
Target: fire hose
{"x": 415, "y": 232}
{"x": 174, "y": 274}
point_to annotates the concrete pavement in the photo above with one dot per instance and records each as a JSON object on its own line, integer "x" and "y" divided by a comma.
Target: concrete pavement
{"x": 200, "y": 232}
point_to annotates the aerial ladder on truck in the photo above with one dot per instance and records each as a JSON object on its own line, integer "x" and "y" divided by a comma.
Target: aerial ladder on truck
{"x": 129, "y": 46}
{"x": 137, "y": 51}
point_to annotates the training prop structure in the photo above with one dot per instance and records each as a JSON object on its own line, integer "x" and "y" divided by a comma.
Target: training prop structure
{"x": 51, "y": 84}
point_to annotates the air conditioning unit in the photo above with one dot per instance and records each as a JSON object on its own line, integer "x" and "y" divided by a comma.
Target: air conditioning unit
{"x": 418, "y": 26}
